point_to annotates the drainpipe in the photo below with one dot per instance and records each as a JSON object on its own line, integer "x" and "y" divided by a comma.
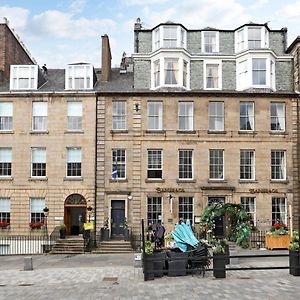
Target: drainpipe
{"x": 95, "y": 203}
{"x": 298, "y": 155}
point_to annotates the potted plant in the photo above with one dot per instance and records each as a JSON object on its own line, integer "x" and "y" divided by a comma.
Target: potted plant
{"x": 225, "y": 245}
{"x": 4, "y": 225}
{"x": 126, "y": 230}
{"x": 62, "y": 231}
{"x": 294, "y": 256}
{"x": 278, "y": 237}
{"x": 105, "y": 230}
{"x": 36, "y": 225}
{"x": 219, "y": 260}
{"x": 148, "y": 266}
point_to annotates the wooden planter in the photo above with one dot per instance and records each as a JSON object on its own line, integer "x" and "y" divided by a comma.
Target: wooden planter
{"x": 219, "y": 265}
{"x": 277, "y": 242}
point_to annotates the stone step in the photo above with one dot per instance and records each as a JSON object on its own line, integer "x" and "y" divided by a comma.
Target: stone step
{"x": 103, "y": 251}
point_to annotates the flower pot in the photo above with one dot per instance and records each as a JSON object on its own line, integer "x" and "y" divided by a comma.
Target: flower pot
{"x": 277, "y": 242}
{"x": 294, "y": 262}
{"x": 126, "y": 234}
{"x": 104, "y": 234}
{"x": 62, "y": 233}
{"x": 219, "y": 263}
{"x": 148, "y": 267}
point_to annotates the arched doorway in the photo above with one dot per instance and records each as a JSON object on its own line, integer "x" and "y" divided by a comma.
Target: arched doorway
{"x": 74, "y": 214}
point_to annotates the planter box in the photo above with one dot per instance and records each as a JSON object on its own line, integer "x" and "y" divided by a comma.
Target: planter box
{"x": 148, "y": 267}
{"x": 294, "y": 262}
{"x": 177, "y": 263}
{"x": 126, "y": 235}
{"x": 277, "y": 242}
{"x": 159, "y": 259}
{"x": 227, "y": 253}
{"x": 62, "y": 233}
{"x": 104, "y": 234}
{"x": 219, "y": 264}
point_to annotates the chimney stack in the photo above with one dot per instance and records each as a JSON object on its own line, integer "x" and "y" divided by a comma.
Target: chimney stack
{"x": 106, "y": 59}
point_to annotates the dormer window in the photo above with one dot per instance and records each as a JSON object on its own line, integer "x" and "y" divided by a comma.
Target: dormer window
{"x": 23, "y": 77}
{"x": 251, "y": 37}
{"x": 79, "y": 77}
{"x": 168, "y": 36}
{"x": 210, "y": 41}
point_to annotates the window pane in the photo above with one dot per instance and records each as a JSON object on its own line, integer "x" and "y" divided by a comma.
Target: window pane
{"x": 278, "y": 165}
{"x": 259, "y": 71}
{"x": 154, "y": 110}
{"x": 216, "y": 116}
{"x": 216, "y": 164}
{"x": 185, "y": 164}
{"x": 279, "y": 210}
{"x": 246, "y": 116}
{"x": 118, "y": 163}
{"x": 278, "y": 116}
{"x": 154, "y": 163}
{"x": 185, "y": 208}
{"x": 74, "y": 155}
{"x": 154, "y": 210}
{"x": 171, "y": 70}
{"x": 210, "y": 42}
{"x": 118, "y": 115}
{"x": 249, "y": 205}
{"x": 247, "y": 164}
{"x": 212, "y": 76}
{"x": 185, "y": 115}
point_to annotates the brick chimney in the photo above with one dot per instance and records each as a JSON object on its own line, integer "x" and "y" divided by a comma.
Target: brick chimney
{"x": 106, "y": 59}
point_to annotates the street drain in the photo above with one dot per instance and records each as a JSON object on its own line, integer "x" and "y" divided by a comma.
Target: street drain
{"x": 25, "y": 284}
{"x": 2, "y": 285}
{"x": 244, "y": 277}
{"x": 110, "y": 279}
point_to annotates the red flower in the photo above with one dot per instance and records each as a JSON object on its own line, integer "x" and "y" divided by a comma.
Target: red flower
{"x": 4, "y": 224}
{"x": 279, "y": 225}
{"x": 36, "y": 224}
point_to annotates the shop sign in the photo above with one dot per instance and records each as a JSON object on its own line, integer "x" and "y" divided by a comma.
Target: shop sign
{"x": 267, "y": 191}
{"x": 170, "y": 190}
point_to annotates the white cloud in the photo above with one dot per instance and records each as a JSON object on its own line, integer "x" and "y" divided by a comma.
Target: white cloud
{"x": 58, "y": 24}
{"x": 143, "y": 2}
{"x": 258, "y": 4}
{"x": 77, "y": 6}
{"x": 291, "y": 10}
{"x": 152, "y": 18}
{"x": 17, "y": 16}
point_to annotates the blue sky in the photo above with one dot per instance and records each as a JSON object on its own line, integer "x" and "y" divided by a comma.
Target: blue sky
{"x": 58, "y": 32}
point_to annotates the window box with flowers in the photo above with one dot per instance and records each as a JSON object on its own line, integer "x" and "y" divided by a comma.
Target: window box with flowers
{"x": 36, "y": 225}
{"x": 278, "y": 237}
{"x": 4, "y": 225}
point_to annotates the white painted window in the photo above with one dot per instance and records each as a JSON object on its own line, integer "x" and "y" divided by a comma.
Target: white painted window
{"x": 38, "y": 162}
{"x": 216, "y": 164}
{"x": 213, "y": 75}
{"x": 119, "y": 163}
{"x": 185, "y": 115}
{"x": 185, "y": 73}
{"x": 249, "y": 204}
{"x": 186, "y": 164}
{"x": 240, "y": 40}
{"x": 154, "y": 210}
{"x": 254, "y": 37}
{"x": 36, "y": 210}
{"x": 247, "y": 116}
{"x": 74, "y": 115}
{"x": 186, "y": 208}
{"x": 247, "y": 164}
{"x": 279, "y": 210}
{"x": 39, "y": 116}
{"x": 259, "y": 71}
{"x": 4, "y": 211}
{"x": 154, "y": 164}
{"x": 156, "y": 38}
{"x": 23, "y": 77}
{"x": 210, "y": 41}
{"x": 216, "y": 116}
{"x": 79, "y": 77}
{"x": 171, "y": 71}
{"x": 278, "y": 165}
{"x": 277, "y": 116}
{"x": 156, "y": 66}
{"x": 6, "y": 116}
{"x": 5, "y": 162}
{"x": 155, "y": 115}
{"x": 119, "y": 115}
{"x": 73, "y": 162}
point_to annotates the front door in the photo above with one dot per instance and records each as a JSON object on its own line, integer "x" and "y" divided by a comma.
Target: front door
{"x": 74, "y": 218}
{"x": 117, "y": 218}
{"x": 219, "y": 230}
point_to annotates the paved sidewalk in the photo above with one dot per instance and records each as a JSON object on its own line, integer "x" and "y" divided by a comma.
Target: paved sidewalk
{"x": 114, "y": 277}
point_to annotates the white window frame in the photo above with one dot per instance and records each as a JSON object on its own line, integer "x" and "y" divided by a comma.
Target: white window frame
{"x": 249, "y": 117}
{"x": 244, "y": 166}
{"x": 186, "y": 174}
{"x": 283, "y": 213}
{"x": 250, "y": 208}
{"x": 204, "y": 42}
{"x": 158, "y": 70}
{"x": 154, "y": 202}
{"x": 79, "y": 161}
{"x": 215, "y": 164}
{"x": 154, "y": 162}
{"x": 39, "y": 212}
{"x": 186, "y": 107}
{"x": 74, "y": 116}
{"x": 278, "y": 171}
{"x": 158, "y": 118}
{"x": 86, "y": 76}
{"x": 118, "y": 157}
{"x": 214, "y": 117}
{"x": 119, "y": 112}
{"x": 16, "y": 77}
{"x": 184, "y": 202}
{"x": 280, "y": 120}
{"x": 6, "y": 116}
{"x": 5, "y": 207}
{"x": 218, "y": 64}
{"x": 39, "y": 118}
{"x": 158, "y": 37}
{"x": 6, "y": 158}
{"x": 42, "y": 161}
{"x": 242, "y": 40}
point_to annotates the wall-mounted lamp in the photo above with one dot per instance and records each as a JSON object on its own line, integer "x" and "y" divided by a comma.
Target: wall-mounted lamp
{"x": 129, "y": 196}
{"x": 137, "y": 107}
{"x": 170, "y": 203}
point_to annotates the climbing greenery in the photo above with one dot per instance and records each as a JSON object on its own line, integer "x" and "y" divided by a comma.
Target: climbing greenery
{"x": 236, "y": 218}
